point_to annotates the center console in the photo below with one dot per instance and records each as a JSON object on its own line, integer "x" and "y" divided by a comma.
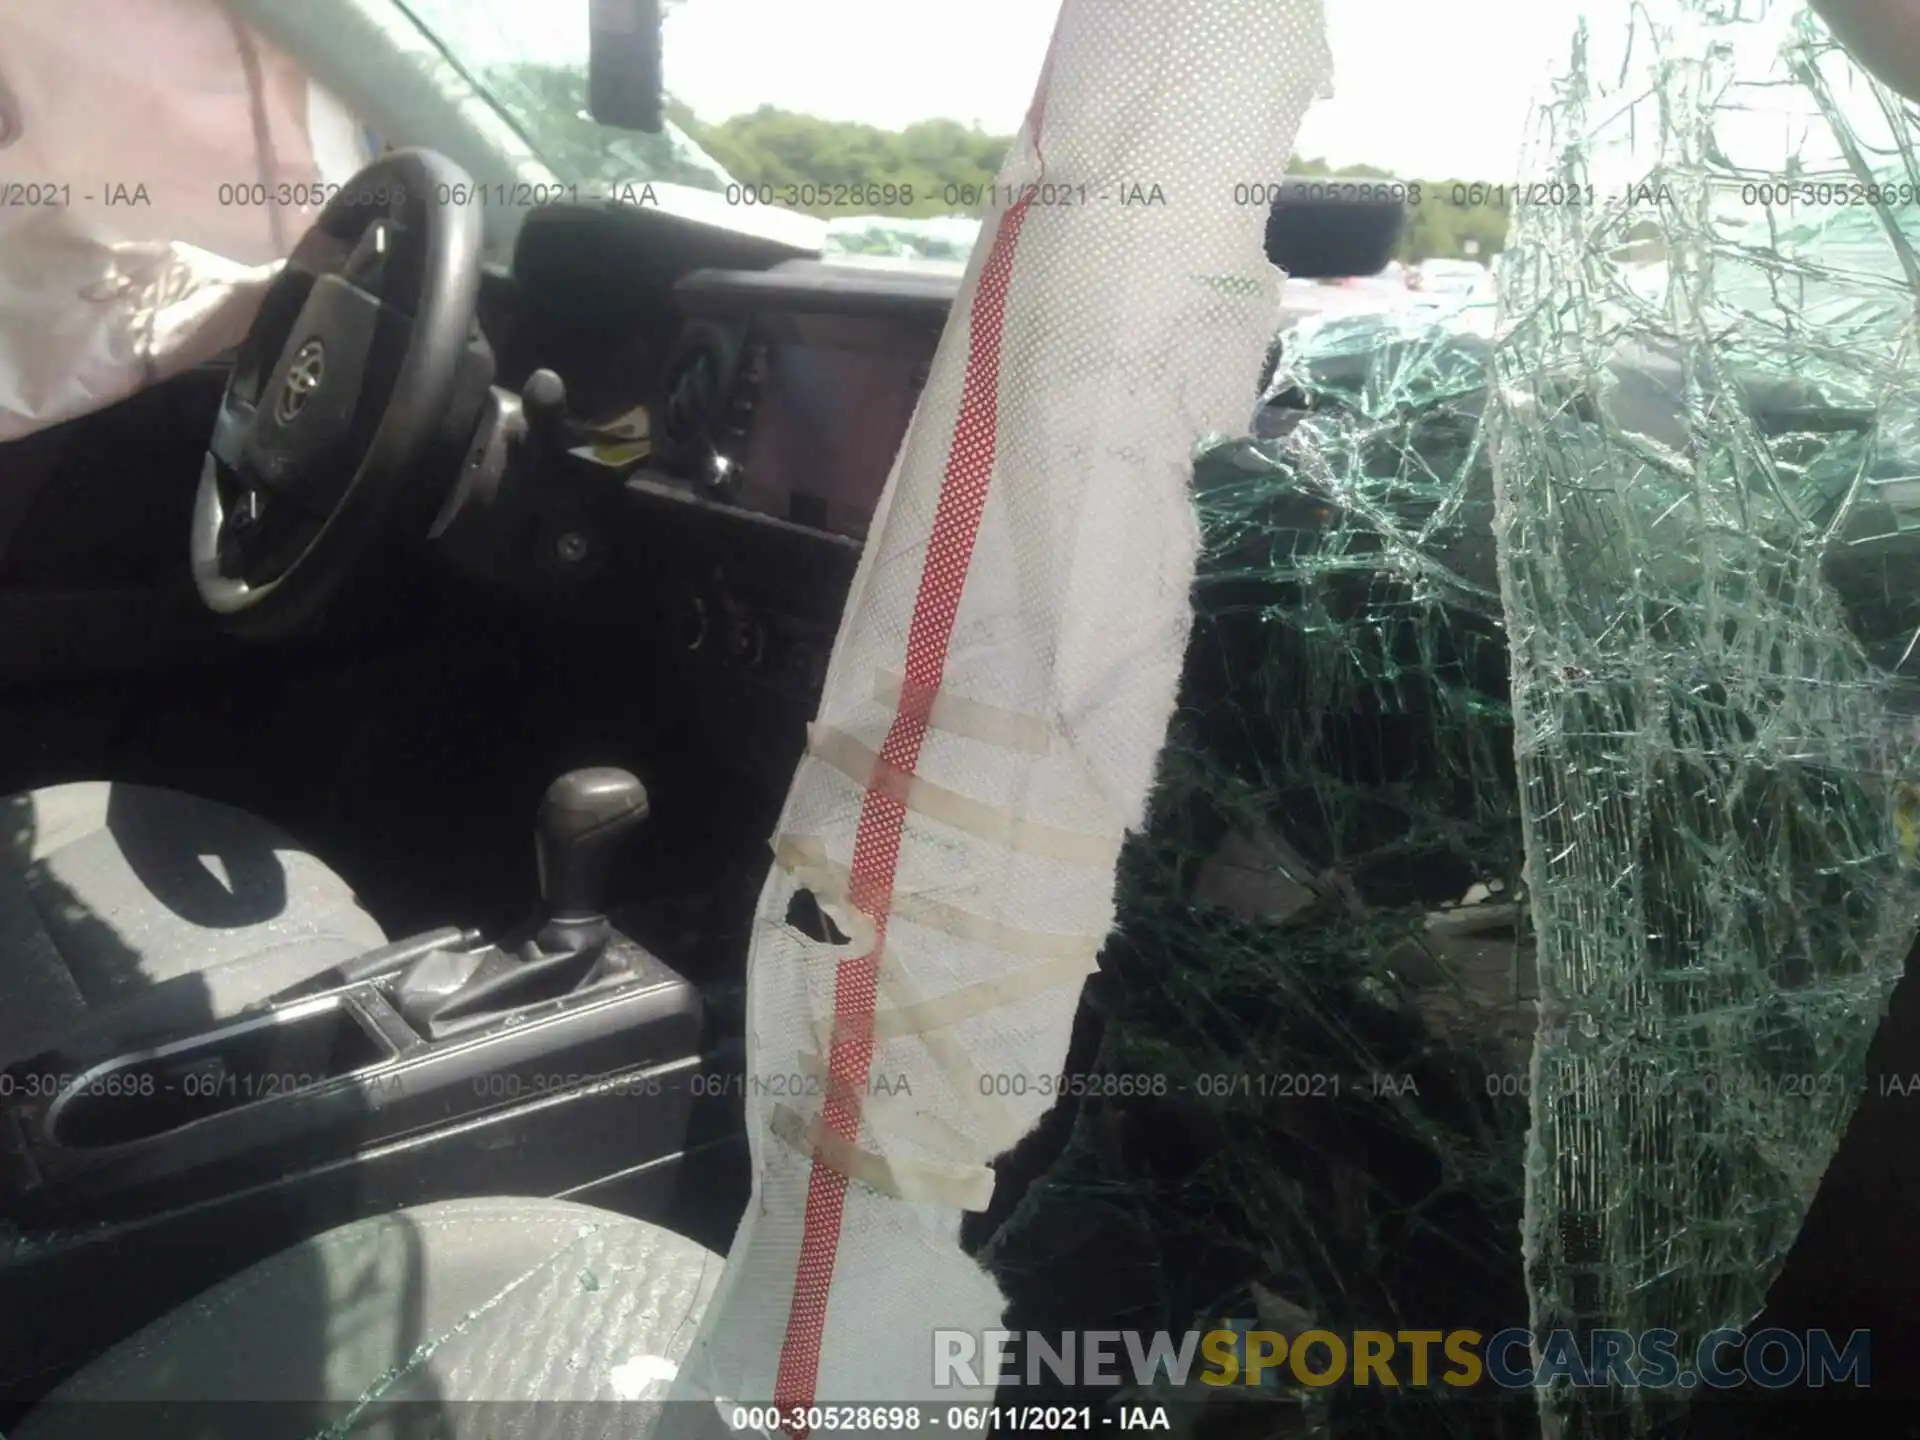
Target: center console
{"x": 558, "y": 1061}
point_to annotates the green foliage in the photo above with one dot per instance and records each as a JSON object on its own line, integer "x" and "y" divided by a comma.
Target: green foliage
{"x": 1442, "y": 220}
{"x": 1450, "y": 214}
{"x": 930, "y": 168}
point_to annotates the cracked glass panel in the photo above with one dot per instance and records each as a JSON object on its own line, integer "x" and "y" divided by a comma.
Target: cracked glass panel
{"x": 1707, "y": 466}
{"x": 1474, "y": 1023}
{"x": 1321, "y": 943}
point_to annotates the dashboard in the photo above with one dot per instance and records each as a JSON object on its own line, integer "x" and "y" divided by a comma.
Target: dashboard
{"x": 773, "y": 385}
{"x": 776, "y": 388}
{"x": 686, "y": 435}
{"x": 787, "y": 392}
{"x": 685, "y": 432}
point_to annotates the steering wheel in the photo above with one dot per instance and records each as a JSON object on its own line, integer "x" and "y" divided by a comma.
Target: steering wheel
{"x": 340, "y": 390}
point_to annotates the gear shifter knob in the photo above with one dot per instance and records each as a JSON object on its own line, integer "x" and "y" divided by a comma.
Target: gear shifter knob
{"x": 583, "y": 820}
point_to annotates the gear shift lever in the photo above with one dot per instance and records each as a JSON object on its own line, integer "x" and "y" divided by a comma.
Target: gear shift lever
{"x": 583, "y": 820}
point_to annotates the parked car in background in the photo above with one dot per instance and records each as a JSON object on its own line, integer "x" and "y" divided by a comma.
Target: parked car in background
{"x": 1464, "y": 277}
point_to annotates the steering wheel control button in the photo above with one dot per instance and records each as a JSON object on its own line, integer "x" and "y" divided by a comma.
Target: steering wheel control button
{"x": 240, "y": 528}
{"x": 365, "y": 265}
{"x": 304, "y": 377}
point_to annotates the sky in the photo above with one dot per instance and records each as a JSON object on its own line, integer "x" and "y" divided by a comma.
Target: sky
{"x": 890, "y": 62}
{"x": 1430, "y": 89}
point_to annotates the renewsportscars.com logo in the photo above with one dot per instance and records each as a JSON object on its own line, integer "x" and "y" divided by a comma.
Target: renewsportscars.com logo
{"x": 1509, "y": 1359}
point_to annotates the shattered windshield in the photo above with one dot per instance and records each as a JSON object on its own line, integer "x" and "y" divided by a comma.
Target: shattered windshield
{"x": 531, "y": 60}
{"x": 912, "y": 194}
{"x": 1534, "y": 849}
{"x": 1533, "y": 852}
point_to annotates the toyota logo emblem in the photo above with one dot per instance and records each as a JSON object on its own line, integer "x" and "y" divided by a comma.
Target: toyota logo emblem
{"x": 308, "y": 370}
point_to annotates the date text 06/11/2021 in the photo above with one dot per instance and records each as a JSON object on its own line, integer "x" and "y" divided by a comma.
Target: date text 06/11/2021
{"x": 1098, "y": 1085}
{"x": 912, "y": 1419}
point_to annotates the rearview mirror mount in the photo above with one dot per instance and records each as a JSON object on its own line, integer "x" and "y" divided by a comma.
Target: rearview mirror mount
{"x": 623, "y": 65}
{"x": 1334, "y": 229}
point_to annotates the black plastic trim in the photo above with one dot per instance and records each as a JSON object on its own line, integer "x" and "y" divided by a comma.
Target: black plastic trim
{"x": 650, "y": 1018}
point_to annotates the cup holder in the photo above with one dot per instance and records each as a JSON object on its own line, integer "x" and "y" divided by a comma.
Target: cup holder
{"x": 154, "y": 1092}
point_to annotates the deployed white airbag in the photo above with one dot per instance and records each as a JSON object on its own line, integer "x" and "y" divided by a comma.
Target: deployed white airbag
{"x": 157, "y": 159}
{"x": 998, "y": 695}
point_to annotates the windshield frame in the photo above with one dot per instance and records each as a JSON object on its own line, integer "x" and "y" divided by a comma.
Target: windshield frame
{"x": 537, "y": 125}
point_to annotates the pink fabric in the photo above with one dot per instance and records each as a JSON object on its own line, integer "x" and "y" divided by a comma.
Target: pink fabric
{"x": 160, "y": 94}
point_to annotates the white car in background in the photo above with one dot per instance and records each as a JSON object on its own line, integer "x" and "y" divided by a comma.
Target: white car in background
{"x": 1453, "y": 277}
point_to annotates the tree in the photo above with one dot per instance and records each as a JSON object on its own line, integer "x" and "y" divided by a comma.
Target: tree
{"x": 1443, "y": 216}
{"x": 933, "y": 167}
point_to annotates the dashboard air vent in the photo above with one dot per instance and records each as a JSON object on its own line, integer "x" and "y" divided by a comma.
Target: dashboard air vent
{"x": 694, "y": 399}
